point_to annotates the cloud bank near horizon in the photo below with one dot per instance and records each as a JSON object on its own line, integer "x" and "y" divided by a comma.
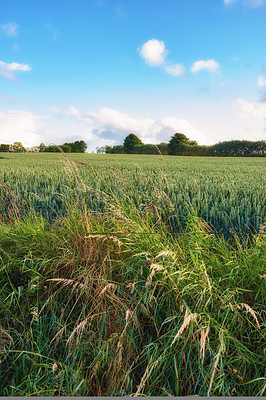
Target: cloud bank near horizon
{"x": 109, "y": 126}
{"x": 117, "y": 125}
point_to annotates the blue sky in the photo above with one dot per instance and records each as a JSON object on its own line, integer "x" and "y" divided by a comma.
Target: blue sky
{"x": 98, "y": 70}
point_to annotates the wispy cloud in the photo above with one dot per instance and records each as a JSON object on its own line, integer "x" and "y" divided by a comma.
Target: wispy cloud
{"x": 261, "y": 82}
{"x": 229, "y": 2}
{"x": 155, "y": 54}
{"x": 54, "y": 33}
{"x": 10, "y": 29}
{"x": 175, "y": 69}
{"x": 208, "y": 65}
{"x": 248, "y": 3}
{"x": 262, "y": 88}
{"x": 100, "y": 3}
{"x": 120, "y": 12}
{"x": 8, "y": 70}
{"x": 7, "y": 98}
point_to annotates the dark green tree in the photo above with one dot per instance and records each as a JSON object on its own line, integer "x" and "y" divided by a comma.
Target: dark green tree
{"x": 4, "y": 148}
{"x": 177, "y": 143}
{"x": 18, "y": 147}
{"x": 42, "y": 148}
{"x": 79, "y": 146}
{"x": 108, "y": 149}
{"x": 130, "y": 142}
{"x": 193, "y": 143}
{"x": 66, "y": 148}
{"x": 118, "y": 149}
{"x": 51, "y": 149}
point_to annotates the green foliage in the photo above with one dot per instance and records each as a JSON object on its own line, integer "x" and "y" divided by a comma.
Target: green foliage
{"x": 180, "y": 145}
{"x": 108, "y": 149}
{"x": 66, "y": 148}
{"x": 118, "y": 149}
{"x": 42, "y": 147}
{"x": 111, "y": 303}
{"x": 51, "y": 149}
{"x": 130, "y": 142}
{"x": 4, "y": 148}
{"x": 193, "y": 143}
{"x": 18, "y": 147}
{"x": 79, "y": 146}
{"x": 177, "y": 143}
{"x": 239, "y": 148}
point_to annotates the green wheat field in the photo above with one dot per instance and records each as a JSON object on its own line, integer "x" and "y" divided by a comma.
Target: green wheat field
{"x": 132, "y": 275}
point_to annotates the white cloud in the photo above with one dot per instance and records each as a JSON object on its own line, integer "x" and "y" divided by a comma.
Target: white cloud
{"x": 252, "y": 114}
{"x": 153, "y": 52}
{"x": 262, "y": 82}
{"x": 19, "y": 126}
{"x": 175, "y": 69}
{"x": 208, "y": 65}
{"x": 247, "y": 109}
{"x": 116, "y": 126}
{"x": 7, "y": 70}
{"x": 10, "y": 29}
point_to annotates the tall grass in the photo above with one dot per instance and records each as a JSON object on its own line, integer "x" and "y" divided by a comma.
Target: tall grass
{"x": 114, "y": 303}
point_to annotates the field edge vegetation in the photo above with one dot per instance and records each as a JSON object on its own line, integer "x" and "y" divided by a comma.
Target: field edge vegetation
{"x": 111, "y": 304}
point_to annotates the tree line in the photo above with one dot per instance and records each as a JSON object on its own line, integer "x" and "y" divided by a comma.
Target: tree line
{"x": 79, "y": 146}
{"x": 181, "y": 145}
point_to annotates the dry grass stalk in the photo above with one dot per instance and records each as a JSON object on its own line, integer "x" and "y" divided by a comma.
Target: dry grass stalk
{"x": 120, "y": 176}
{"x": 250, "y": 310}
{"x": 203, "y": 339}
{"x": 67, "y": 282}
{"x": 84, "y": 164}
{"x": 218, "y": 356}
{"x": 187, "y": 320}
{"x": 78, "y": 330}
{"x": 58, "y": 335}
{"x": 207, "y": 277}
{"x": 107, "y": 287}
{"x": 55, "y": 366}
{"x": 154, "y": 268}
{"x": 145, "y": 377}
{"x": 166, "y": 253}
{"x": 105, "y": 237}
{"x": 132, "y": 286}
{"x": 4, "y": 333}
